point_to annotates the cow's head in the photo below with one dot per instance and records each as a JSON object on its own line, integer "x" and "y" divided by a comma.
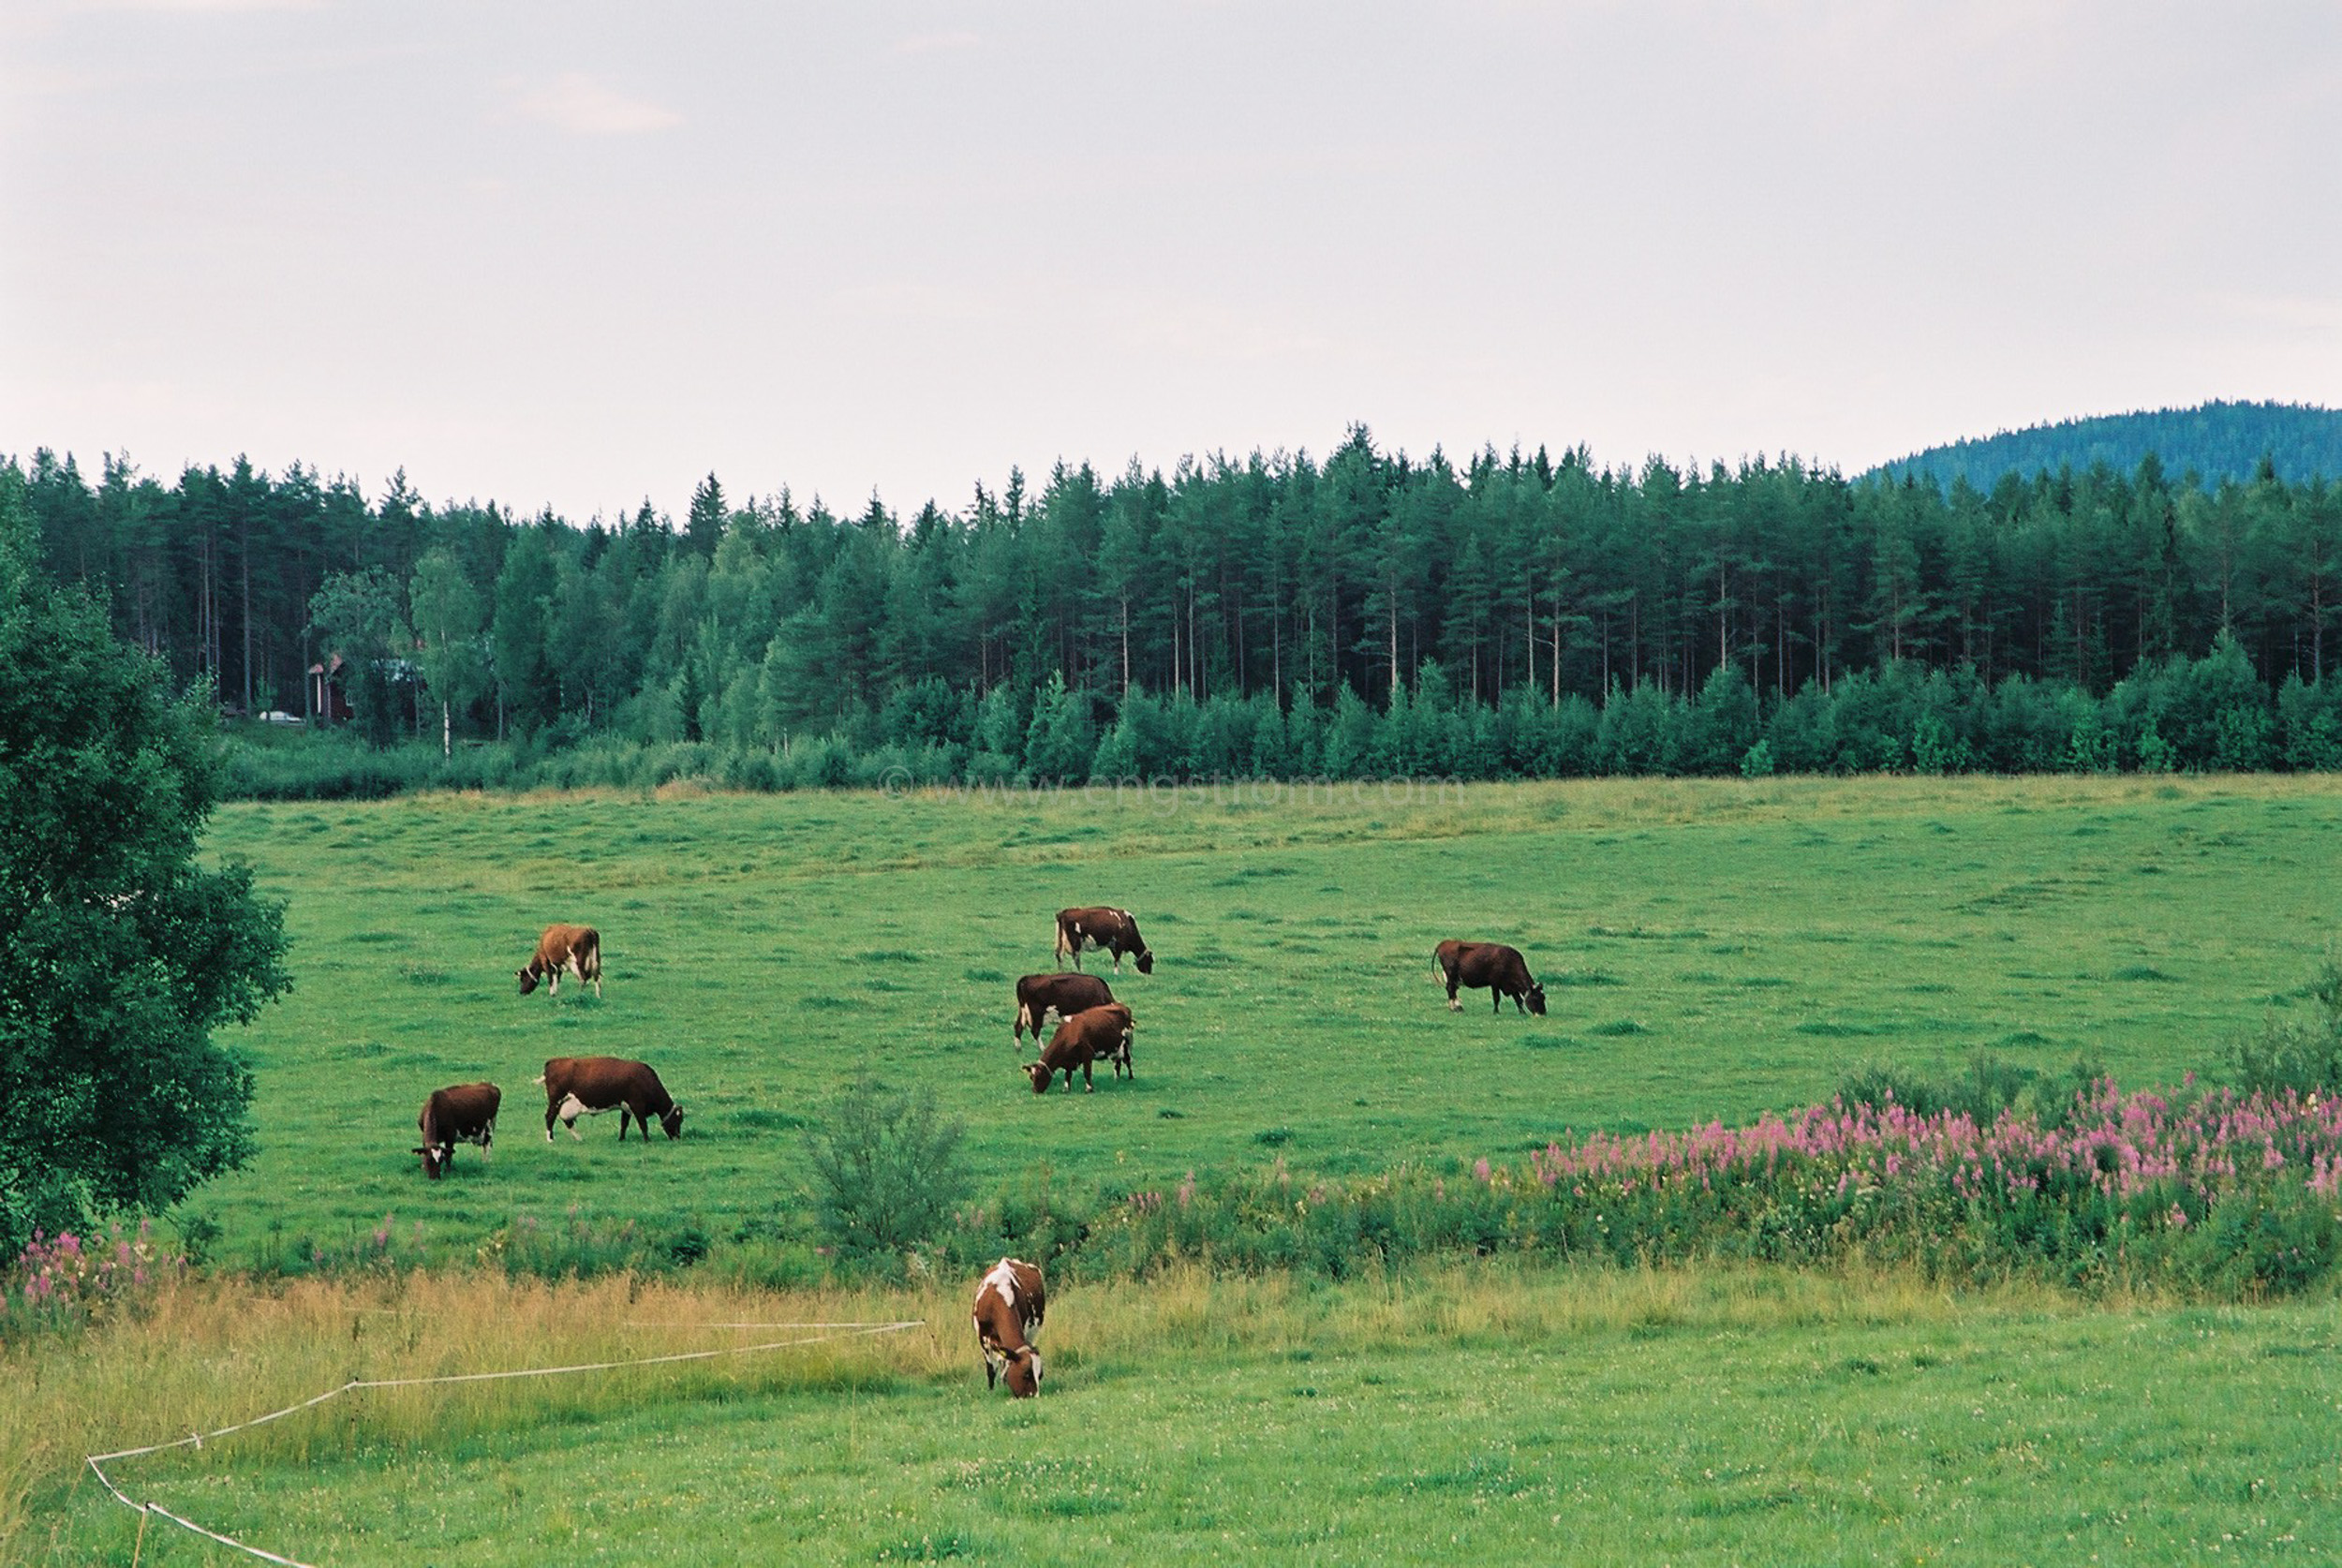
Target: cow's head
{"x": 529, "y": 981}
{"x": 1146, "y": 960}
{"x": 1039, "y": 1073}
{"x": 1536, "y": 1001}
{"x": 672, "y": 1121}
{"x": 1023, "y": 1372}
{"x": 434, "y": 1159}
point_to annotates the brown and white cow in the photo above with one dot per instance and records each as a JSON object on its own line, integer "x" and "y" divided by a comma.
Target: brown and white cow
{"x": 1113, "y": 931}
{"x": 463, "y": 1113}
{"x": 588, "y": 1085}
{"x": 1093, "y": 1035}
{"x": 1010, "y": 1302}
{"x": 576, "y": 949}
{"x": 1040, "y": 994}
{"x": 1499, "y": 967}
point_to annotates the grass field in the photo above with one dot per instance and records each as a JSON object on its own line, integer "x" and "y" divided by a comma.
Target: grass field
{"x": 1709, "y": 948}
{"x": 1482, "y": 1415}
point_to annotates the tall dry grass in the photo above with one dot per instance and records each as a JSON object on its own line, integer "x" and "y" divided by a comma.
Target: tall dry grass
{"x": 214, "y": 1351}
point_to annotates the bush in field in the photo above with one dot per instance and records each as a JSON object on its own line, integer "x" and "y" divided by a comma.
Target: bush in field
{"x": 887, "y": 1170}
{"x": 581, "y": 1247}
{"x": 2297, "y": 1057}
{"x": 1987, "y": 1088}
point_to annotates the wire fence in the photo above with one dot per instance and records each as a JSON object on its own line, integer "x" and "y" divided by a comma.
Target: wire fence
{"x": 148, "y": 1508}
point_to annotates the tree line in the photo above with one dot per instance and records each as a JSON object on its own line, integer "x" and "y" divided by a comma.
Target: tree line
{"x": 1272, "y": 584}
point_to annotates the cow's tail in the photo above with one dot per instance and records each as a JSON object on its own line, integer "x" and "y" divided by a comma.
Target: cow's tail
{"x": 1439, "y": 972}
{"x": 590, "y": 961}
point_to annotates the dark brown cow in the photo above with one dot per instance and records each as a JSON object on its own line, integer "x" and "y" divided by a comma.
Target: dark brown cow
{"x": 1499, "y": 967}
{"x": 1010, "y": 1302}
{"x": 1040, "y": 994}
{"x": 464, "y": 1113}
{"x": 588, "y": 1085}
{"x": 574, "y": 948}
{"x": 1113, "y": 931}
{"x": 1095, "y": 1034}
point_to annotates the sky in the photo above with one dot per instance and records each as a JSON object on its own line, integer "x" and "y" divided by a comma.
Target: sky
{"x": 581, "y": 254}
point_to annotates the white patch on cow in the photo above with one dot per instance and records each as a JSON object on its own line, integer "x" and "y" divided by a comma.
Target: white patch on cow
{"x": 1001, "y": 1282}
{"x": 573, "y": 1108}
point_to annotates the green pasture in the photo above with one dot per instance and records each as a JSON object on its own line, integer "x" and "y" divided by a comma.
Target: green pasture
{"x": 1722, "y": 1419}
{"x": 1711, "y": 949}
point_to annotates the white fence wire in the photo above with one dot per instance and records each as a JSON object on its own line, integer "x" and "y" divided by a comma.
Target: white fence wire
{"x": 97, "y": 1462}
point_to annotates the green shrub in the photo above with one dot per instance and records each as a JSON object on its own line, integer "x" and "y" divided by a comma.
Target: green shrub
{"x": 2304, "y": 1056}
{"x": 1989, "y": 1086}
{"x": 887, "y": 1170}
{"x": 578, "y": 1248}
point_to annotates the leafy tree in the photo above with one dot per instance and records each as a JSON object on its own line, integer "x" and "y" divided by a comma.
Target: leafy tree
{"x": 526, "y": 687}
{"x": 118, "y": 955}
{"x": 448, "y": 637}
{"x": 1722, "y": 724}
{"x": 1061, "y": 741}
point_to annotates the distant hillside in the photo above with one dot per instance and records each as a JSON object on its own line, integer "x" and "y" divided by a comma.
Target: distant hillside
{"x": 2214, "y": 441}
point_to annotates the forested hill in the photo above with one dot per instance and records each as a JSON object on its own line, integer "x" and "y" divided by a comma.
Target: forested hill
{"x": 2214, "y": 441}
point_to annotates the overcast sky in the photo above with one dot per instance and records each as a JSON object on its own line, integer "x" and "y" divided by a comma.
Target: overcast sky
{"x": 576, "y": 255}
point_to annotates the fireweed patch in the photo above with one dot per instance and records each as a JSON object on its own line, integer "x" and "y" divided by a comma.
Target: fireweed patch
{"x": 68, "y": 1280}
{"x": 2205, "y": 1191}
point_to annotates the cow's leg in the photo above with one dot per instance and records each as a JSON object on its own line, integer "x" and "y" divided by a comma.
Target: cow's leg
{"x": 1496, "y": 1001}
{"x": 1453, "y": 1005}
{"x": 552, "y": 1109}
{"x": 1087, "y": 1085}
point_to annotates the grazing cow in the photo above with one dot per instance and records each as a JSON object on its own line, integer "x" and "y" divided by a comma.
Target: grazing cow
{"x": 1114, "y": 931}
{"x": 465, "y": 1113}
{"x": 1095, "y": 1034}
{"x": 588, "y": 1085}
{"x": 1040, "y": 994}
{"x": 1009, "y": 1305}
{"x": 1499, "y": 967}
{"x": 574, "y": 948}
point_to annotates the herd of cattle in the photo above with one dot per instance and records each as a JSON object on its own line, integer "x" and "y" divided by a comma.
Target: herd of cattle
{"x": 1092, "y": 1026}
